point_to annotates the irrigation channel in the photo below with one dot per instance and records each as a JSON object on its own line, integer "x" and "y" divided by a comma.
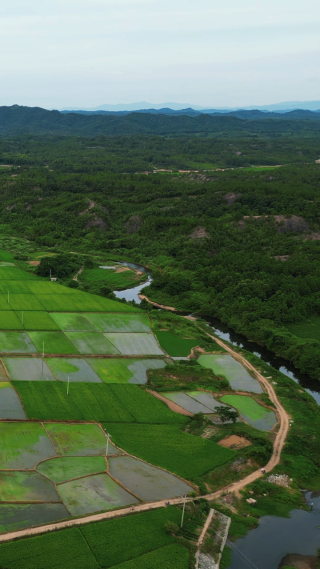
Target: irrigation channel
{"x": 274, "y": 538}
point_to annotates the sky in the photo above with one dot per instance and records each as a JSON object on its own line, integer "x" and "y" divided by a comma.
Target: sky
{"x": 77, "y": 53}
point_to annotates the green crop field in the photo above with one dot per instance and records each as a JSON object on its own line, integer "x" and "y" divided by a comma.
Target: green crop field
{"x": 91, "y": 343}
{"x": 143, "y": 533}
{"x": 49, "y": 550}
{"x": 54, "y": 343}
{"x": 75, "y": 369}
{"x": 111, "y": 278}
{"x": 93, "y": 402}
{"x": 9, "y": 321}
{"x": 170, "y": 557}
{"x": 16, "y": 342}
{"x": 68, "y": 467}
{"x": 24, "y": 302}
{"x": 15, "y": 274}
{"x": 76, "y": 440}
{"x": 14, "y": 287}
{"x": 100, "y": 545}
{"x": 246, "y": 405}
{"x": 169, "y": 447}
{"x": 173, "y": 345}
{"x": 226, "y": 366}
{"x": 6, "y": 256}
{"x": 120, "y": 322}
{"x": 36, "y": 320}
{"x": 134, "y": 344}
{"x": 82, "y": 302}
{"x": 308, "y": 329}
{"x": 23, "y": 445}
{"x": 125, "y": 370}
{"x": 18, "y": 486}
{"x": 73, "y": 322}
{"x": 28, "y": 369}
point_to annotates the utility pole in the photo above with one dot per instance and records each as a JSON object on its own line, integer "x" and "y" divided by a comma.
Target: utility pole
{"x": 22, "y": 318}
{"x": 8, "y": 297}
{"x": 184, "y": 505}
{"x": 108, "y": 438}
{"x": 68, "y": 386}
{"x": 43, "y": 349}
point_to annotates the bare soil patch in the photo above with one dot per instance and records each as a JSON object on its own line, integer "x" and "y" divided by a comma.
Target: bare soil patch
{"x": 234, "y": 442}
{"x": 199, "y": 233}
{"x": 33, "y": 263}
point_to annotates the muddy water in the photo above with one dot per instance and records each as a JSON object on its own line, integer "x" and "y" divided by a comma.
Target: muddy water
{"x": 275, "y": 537}
{"x": 20, "y": 516}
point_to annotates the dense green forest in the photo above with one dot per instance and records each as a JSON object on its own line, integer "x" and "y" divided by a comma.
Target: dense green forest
{"x": 227, "y": 238}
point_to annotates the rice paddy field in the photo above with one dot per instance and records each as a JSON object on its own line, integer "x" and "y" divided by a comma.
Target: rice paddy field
{"x": 173, "y": 345}
{"x": 252, "y": 413}
{"x": 225, "y": 365}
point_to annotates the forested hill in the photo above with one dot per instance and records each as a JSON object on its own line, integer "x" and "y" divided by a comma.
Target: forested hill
{"x": 18, "y": 120}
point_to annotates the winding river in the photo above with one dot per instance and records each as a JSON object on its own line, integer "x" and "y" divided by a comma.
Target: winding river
{"x": 274, "y": 538}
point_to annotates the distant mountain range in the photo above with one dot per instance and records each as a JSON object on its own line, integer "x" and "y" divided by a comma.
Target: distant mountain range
{"x": 143, "y": 105}
{"x": 18, "y": 120}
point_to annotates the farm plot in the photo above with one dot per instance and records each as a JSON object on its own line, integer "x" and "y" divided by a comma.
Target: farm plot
{"x": 78, "y": 439}
{"x": 10, "y": 404}
{"x": 45, "y": 287}
{"x": 66, "y": 548}
{"x": 17, "y": 486}
{"x": 75, "y": 369}
{"x": 4, "y": 305}
{"x": 28, "y": 369}
{"x": 16, "y": 342}
{"x": 23, "y": 445}
{"x": 91, "y": 343}
{"x": 73, "y": 322}
{"x": 9, "y": 321}
{"x": 93, "y": 402}
{"x": 169, "y": 447}
{"x": 205, "y": 398}
{"x": 125, "y": 370}
{"x": 173, "y": 345}
{"x": 52, "y": 343}
{"x": 146, "y": 481}
{"x": 15, "y": 287}
{"x": 66, "y": 468}
{"x": 24, "y": 302}
{"x": 81, "y": 302}
{"x": 93, "y": 494}
{"x": 120, "y": 322}
{"x": 252, "y": 413}
{"x": 171, "y": 557}
{"x": 143, "y": 532}
{"x": 20, "y": 516}
{"x": 15, "y": 274}
{"x": 235, "y": 373}
{"x": 36, "y": 320}
{"x": 186, "y": 402}
{"x": 134, "y": 344}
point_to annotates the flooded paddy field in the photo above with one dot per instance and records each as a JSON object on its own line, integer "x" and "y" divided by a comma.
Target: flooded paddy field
{"x": 125, "y": 370}
{"x": 134, "y": 344}
{"x": 238, "y": 377}
{"x": 10, "y": 404}
{"x": 78, "y": 439}
{"x": 66, "y": 468}
{"x": 253, "y": 413}
{"x": 75, "y": 369}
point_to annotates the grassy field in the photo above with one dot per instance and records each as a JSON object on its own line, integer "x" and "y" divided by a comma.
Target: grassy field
{"x": 169, "y": 447}
{"x": 101, "y": 545}
{"x": 173, "y": 345}
{"x": 93, "y": 402}
{"x": 10, "y": 321}
{"x": 16, "y": 342}
{"x": 308, "y": 329}
{"x": 170, "y": 557}
{"x": 23, "y": 445}
{"x": 77, "y": 439}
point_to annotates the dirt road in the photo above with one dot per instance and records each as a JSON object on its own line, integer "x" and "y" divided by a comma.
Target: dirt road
{"x": 234, "y": 487}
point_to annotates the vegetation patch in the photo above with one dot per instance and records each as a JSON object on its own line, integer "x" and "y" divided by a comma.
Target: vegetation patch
{"x": 10, "y": 321}
{"x": 184, "y": 375}
{"x": 120, "y": 322}
{"x": 73, "y": 322}
{"x": 16, "y": 342}
{"x": 78, "y": 439}
{"x": 169, "y": 447}
{"x": 173, "y": 345}
{"x": 23, "y": 445}
{"x": 91, "y": 343}
{"x": 36, "y": 320}
{"x": 18, "y": 486}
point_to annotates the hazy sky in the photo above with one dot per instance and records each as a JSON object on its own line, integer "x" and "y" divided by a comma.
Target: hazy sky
{"x": 58, "y": 53}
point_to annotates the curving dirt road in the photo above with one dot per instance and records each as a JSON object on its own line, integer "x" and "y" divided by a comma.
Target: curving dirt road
{"x": 283, "y": 420}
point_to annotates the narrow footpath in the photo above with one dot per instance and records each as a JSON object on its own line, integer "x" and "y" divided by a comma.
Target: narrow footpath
{"x": 235, "y": 487}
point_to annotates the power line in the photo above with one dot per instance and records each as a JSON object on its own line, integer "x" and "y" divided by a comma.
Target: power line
{"x": 246, "y": 559}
